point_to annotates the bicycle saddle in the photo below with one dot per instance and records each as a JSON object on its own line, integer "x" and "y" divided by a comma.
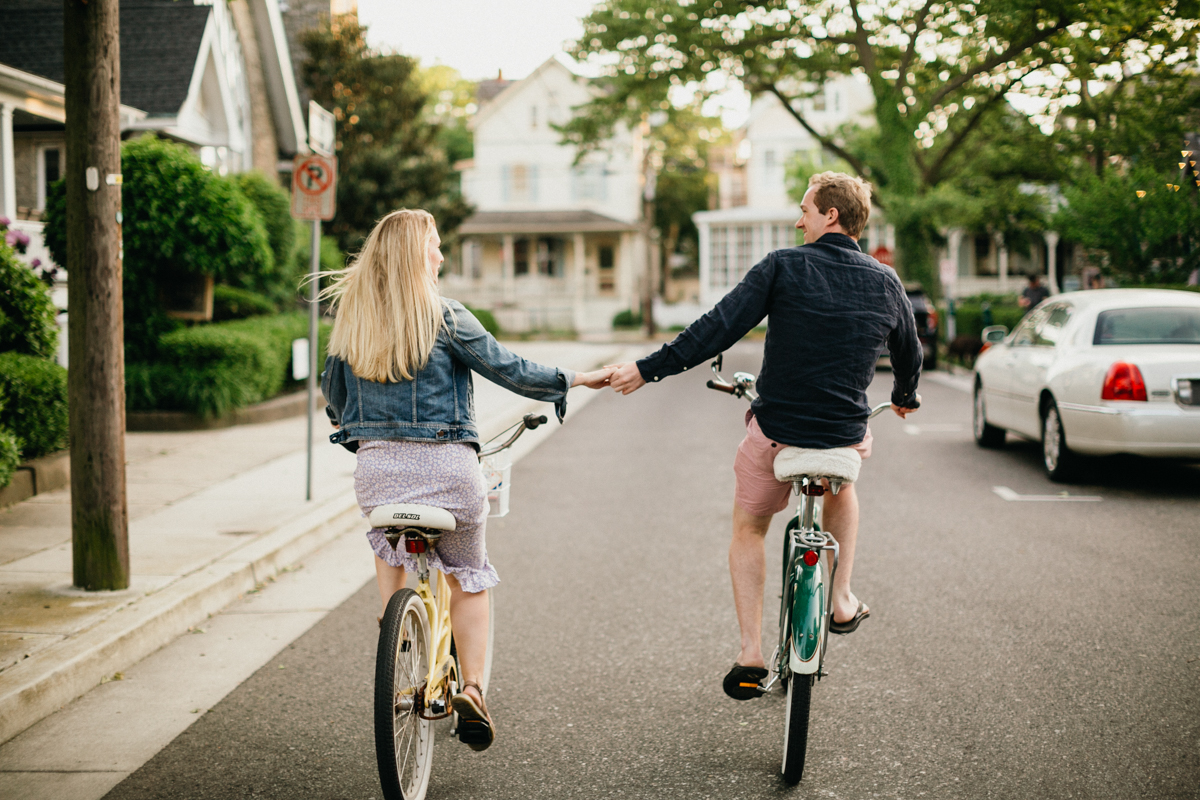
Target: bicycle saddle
{"x": 840, "y": 463}
{"x": 410, "y": 515}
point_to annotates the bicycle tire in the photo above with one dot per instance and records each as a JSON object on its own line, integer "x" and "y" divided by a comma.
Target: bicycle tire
{"x": 795, "y": 727}
{"x": 403, "y": 741}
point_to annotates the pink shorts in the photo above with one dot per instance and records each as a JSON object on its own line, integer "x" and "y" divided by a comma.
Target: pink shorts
{"x": 756, "y": 490}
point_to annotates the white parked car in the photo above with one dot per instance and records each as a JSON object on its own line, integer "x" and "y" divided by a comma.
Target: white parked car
{"x": 1094, "y": 373}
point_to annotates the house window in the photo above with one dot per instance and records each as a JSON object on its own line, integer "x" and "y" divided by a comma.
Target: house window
{"x": 49, "y": 170}
{"x": 519, "y": 183}
{"x": 550, "y": 256}
{"x": 744, "y": 257}
{"x": 588, "y": 182}
{"x": 837, "y": 101}
{"x": 720, "y": 257}
{"x": 607, "y": 261}
{"x": 533, "y": 117}
{"x": 473, "y": 256}
{"x": 819, "y": 101}
{"x": 769, "y": 158}
{"x": 521, "y": 256}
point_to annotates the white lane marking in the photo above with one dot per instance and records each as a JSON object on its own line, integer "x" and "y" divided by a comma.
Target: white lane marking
{"x": 1008, "y": 494}
{"x": 946, "y": 427}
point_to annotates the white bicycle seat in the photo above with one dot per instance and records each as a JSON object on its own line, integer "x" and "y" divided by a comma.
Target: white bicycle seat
{"x": 410, "y": 515}
{"x": 840, "y": 463}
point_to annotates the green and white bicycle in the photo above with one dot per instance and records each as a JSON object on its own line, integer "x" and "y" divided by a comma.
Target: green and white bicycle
{"x": 810, "y": 560}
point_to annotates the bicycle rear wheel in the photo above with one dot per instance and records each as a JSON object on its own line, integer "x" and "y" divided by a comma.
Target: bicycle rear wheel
{"x": 795, "y": 727}
{"x": 403, "y": 741}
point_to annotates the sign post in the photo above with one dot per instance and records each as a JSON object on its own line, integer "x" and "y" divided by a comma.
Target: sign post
{"x": 314, "y": 187}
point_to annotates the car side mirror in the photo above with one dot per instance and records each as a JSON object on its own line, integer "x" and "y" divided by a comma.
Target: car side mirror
{"x": 994, "y": 334}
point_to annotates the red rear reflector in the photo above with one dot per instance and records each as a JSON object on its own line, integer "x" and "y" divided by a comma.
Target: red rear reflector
{"x": 811, "y": 557}
{"x": 414, "y": 545}
{"x": 1123, "y": 382}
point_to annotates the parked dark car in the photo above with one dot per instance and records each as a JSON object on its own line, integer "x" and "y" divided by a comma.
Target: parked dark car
{"x": 927, "y": 327}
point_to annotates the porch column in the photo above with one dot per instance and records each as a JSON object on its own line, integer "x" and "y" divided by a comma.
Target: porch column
{"x": 705, "y": 260}
{"x": 1002, "y": 258}
{"x": 8, "y": 174}
{"x": 578, "y": 281}
{"x": 507, "y": 268}
{"x": 1052, "y": 261}
{"x": 623, "y": 270}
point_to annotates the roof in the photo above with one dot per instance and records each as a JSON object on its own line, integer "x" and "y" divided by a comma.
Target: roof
{"x": 542, "y": 222}
{"x": 160, "y": 42}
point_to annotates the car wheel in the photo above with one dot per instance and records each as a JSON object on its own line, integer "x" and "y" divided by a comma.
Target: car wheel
{"x": 1058, "y": 459}
{"x": 985, "y": 435}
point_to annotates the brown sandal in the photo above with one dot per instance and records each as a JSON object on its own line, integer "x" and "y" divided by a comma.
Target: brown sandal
{"x": 475, "y": 727}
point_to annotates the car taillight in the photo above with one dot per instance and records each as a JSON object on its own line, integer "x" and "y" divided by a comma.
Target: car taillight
{"x": 983, "y": 349}
{"x": 931, "y": 320}
{"x": 1123, "y": 382}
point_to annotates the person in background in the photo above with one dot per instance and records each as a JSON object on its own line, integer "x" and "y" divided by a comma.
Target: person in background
{"x": 1033, "y": 294}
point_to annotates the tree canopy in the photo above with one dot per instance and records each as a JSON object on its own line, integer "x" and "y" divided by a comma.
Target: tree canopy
{"x": 950, "y": 80}
{"x": 390, "y": 154}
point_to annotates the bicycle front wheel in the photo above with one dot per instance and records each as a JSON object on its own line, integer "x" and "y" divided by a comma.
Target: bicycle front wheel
{"x": 403, "y": 741}
{"x": 795, "y": 727}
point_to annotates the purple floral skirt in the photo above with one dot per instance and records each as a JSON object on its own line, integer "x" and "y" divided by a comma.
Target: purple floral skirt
{"x": 444, "y": 475}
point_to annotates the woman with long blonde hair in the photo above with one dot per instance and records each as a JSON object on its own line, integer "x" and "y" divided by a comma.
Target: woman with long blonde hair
{"x": 398, "y": 383}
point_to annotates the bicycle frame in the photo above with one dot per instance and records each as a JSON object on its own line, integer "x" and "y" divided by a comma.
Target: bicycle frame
{"x": 441, "y": 683}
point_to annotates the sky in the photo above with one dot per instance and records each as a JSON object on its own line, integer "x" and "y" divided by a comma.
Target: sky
{"x": 479, "y": 38}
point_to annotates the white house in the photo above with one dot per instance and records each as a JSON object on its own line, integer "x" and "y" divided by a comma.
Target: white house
{"x": 213, "y": 74}
{"x": 758, "y": 215}
{"x": 552, "y": 244}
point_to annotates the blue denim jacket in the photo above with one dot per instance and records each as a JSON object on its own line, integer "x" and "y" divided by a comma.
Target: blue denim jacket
{"x": 438, "y": 404}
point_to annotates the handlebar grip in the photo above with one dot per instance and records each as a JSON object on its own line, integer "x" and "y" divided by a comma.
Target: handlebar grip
{"x": 534, "y": 420}
{"x": 727, "y": 388}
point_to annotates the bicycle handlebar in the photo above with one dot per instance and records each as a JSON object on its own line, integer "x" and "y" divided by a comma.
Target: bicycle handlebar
{"x": 728, "y": 388}
{"x": 527, "y": 423}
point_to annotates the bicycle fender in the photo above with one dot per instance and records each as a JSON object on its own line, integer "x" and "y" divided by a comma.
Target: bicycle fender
{"x": 808, "y": 620}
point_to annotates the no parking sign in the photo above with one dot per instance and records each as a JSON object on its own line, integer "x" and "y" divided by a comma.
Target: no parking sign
{"x": 314, "y": 183}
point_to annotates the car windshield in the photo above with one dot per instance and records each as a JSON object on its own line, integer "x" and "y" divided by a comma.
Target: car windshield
{"x": 1148, "y": 326}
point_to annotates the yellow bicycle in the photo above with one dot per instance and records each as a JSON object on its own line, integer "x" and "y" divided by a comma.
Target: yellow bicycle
{"x": 416, "y": 665}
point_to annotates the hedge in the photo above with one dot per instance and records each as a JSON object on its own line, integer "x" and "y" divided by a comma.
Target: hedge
{"x": 968, "y": 313}
{"x": 35, "y": 403}
{"x": 486, "y": 318}
{"x": 275, "y": 207}
{"x": 10, "y": 456}
{"x": 213, "y": 369}
{"x": 627, "y": 319}
{"x": 230, "y": 303}
{"x": 26, "y": 311}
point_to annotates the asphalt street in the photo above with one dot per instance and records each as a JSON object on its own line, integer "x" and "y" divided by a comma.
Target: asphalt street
{"x": 1015, "y": 649}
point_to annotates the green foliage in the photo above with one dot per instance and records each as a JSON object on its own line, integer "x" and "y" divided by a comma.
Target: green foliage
{"x": 275, "y": 208}
{"x": 180, "y": 221}
{"x": 940, "y": 74}
{"x": 969, "y": 313}
{"x": 35, "y": 403}
{"x": 389, "y": 156}
{"x": 486, "y": 319}
{"x": 213, "y": 369}
{"x": 804, "y": 164}
{"x": 450, "y": 104}
{"x": 26, "y": 311}
{"x": 627, "y": 319}
{"x": 1150, "y": 239}
{"x": 232, "y": 303}
{"x": 10, "y": 456}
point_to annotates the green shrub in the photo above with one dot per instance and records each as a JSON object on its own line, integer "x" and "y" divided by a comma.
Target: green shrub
{"x": 213, "y": 369}
{"x": 232, "y": 303}
{"x": 35, "y": 403}
{"x": 627, "y": 319}
{"x": 486, "y": 318}
{"x": 26, "y": 311}
{"x": 275, "y": 208}
{"x": 10, "y": 456}
{"x": 180, "y": 221}
{"x": 968, "y": 313}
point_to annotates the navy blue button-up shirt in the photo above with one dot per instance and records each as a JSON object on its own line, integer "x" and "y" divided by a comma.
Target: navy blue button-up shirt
{"x": 832, "y": 311}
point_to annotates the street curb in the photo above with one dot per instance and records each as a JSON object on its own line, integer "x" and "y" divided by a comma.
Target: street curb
{"x": 281, "y": 407}
{"x": 38, "y": 476}
{"x": 43, "y": 683}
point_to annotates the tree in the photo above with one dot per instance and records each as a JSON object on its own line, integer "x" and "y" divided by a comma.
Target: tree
{"x": 389, "y": 155}
{"x": 941, "y": 74}
{"x": 684, "y": 182}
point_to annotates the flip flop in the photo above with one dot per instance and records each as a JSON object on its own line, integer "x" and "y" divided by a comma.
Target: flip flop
{"x": 474, "y": 723}
{"x": 850, "y": 625}
{"x": 742, "y": 683}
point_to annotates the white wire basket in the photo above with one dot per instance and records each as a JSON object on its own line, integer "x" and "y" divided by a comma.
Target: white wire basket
{"x": 497, "y": 477}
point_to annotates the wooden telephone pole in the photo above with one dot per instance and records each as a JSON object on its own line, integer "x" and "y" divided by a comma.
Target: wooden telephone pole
{"x": 96, "y": 376}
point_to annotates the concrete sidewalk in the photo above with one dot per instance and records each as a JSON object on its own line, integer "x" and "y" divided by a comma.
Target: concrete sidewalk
{"x": 213, "y": 514}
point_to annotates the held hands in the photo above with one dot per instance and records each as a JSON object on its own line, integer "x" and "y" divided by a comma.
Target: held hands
{"x": 902, "y": 412}
{"x": 597, "y": 379}
{"x": 626, "y": 378}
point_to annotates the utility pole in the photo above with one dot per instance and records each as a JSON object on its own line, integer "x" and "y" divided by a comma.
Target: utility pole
{"x": 96, "y": 377}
